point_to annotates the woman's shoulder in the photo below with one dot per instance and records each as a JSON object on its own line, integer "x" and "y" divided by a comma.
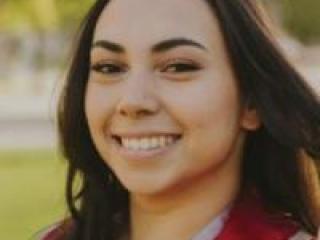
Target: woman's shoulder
{"x": 56, "y": 231}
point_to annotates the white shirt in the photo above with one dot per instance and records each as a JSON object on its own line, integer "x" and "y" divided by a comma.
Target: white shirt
{"x": 214, "y": 227}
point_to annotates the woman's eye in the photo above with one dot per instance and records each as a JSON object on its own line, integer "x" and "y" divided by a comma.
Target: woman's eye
{"x": 180, "y": 68}
{"x": 107, "y": 68}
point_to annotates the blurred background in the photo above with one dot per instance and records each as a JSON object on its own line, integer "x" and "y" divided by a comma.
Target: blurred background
{"x": 36, "y": 37}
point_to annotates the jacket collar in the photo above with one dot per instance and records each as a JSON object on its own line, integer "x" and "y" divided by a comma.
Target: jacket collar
{"x": 250, "y": 219}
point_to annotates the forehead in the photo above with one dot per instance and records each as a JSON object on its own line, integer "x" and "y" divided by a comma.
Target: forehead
{"x": 141, "y": 23}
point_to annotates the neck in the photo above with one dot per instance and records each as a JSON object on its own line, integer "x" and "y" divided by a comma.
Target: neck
{"x": 181, "y": 212}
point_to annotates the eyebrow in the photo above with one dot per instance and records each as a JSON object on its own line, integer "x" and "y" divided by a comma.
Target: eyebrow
{"x": 162, "y": 46}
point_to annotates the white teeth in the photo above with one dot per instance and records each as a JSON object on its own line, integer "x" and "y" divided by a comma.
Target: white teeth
{"x": 162, "y": 141}
{"x": 147, "y": 143}
{"x": 154, "y": 142}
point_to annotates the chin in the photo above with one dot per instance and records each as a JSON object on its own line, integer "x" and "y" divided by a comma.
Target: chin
{"x": 144, "y": 185}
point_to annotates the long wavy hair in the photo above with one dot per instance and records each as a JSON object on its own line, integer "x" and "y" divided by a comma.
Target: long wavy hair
{"x": 279, "y": 159}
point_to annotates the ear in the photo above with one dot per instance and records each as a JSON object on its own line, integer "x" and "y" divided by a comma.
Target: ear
{"x": 250, "y": 119}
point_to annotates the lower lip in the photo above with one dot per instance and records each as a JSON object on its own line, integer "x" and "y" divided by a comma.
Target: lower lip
{"x": 140, "y": 155}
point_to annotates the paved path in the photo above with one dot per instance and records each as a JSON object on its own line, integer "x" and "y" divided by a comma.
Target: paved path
{"x": 26, "y": 122}
{"x": 26, "y": 134}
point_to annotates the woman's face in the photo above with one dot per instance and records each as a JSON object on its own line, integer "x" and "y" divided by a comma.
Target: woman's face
{"x": 162, "y": 102}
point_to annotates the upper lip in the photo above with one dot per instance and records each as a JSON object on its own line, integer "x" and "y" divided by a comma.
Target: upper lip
{"x": 144, "y": 134}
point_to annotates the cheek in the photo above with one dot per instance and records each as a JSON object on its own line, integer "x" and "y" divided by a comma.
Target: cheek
{"x": 219, "y": 110}
{"x": 92, "y": 111}
{"x": 98, "y": 109}
{"x": 214, "y": 123}
{"x": 215, "y": 115}
{"x": 206, "y": 103}
{"x": 211, "y": 120}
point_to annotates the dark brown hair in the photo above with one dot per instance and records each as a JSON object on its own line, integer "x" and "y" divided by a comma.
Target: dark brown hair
{"x": 278, "y": 158}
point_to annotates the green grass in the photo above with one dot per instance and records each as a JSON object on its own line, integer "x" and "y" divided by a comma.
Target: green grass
{"x": 32, "y": 192}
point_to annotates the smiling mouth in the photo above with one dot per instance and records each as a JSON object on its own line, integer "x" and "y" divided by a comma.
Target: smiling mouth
{"x": 147, "y": 143}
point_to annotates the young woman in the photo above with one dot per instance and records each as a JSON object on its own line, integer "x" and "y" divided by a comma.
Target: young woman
{"x": 180, "y": 119}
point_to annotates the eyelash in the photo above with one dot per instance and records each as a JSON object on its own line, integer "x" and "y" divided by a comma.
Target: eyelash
{"x": 100, "y": 68}
{"x": 118, "y": 68}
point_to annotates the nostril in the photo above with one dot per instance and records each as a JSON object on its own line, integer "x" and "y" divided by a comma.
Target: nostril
{"x": 179, "y": 136}
{"x": 117, "y": 138}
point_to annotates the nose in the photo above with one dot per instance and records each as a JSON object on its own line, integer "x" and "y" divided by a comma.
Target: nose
{"x": 138, "y": 98}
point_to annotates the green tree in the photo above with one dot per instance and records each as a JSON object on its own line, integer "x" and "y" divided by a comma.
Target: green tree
{"x": 41, "y": 15}
{"x": 302, "y": 18}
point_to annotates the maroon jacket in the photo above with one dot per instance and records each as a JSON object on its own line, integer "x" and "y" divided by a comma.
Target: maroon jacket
{"x": 248, "y": 220}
